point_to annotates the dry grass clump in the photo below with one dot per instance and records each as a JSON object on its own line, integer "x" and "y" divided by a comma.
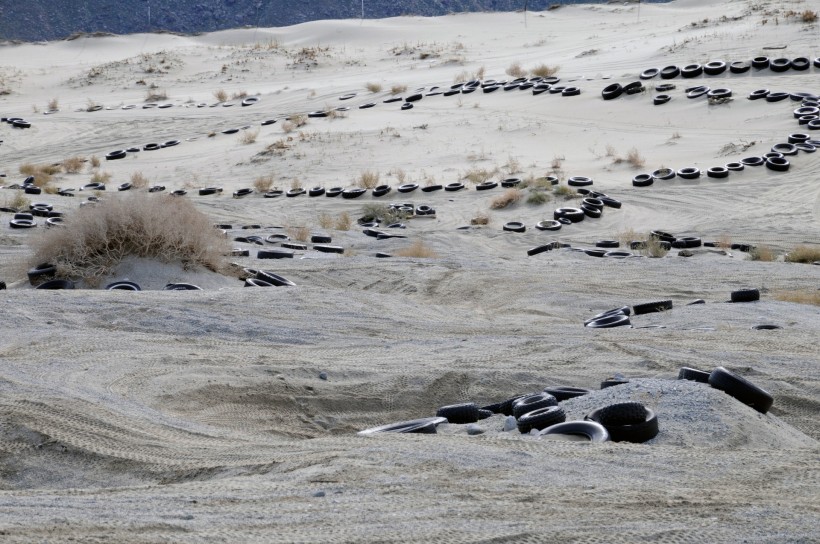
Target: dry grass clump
{"x": 481, "y": 218}
{"x": 42, "y": 173}
{"x": 385, "y": 214}
{"x": 479, "y": 175}
{"x": 538, "y": 197}
{"x": 326, "y": 221}
{"x": 803, "y": 254}
{"x": 808, "y": 16}
{"x": 654, "y": 248}
{"x": 155, "y": 95}
{"x": 101, "y": 177}
{"x": 221, "y": 95}
{"x": 564, "y": 191}
{"x": 398, "y": 89}
{"x": 73, "y": 165}
{"x": 635, "y": 159}
{"x": 240, "y": 95}
{"x": 724, "y": 242}
{"x": 17, "y": 200}
{"x": 138, "y": 180}
{"x": 249, "y": 137}
{"x": 515, "y": 70}
{"x": 294, "y": 121}
{"x": 367, "y": 179}
{"x": 762, "y": 253}
{"x": 53, "y": 104}
{"x": 507, "y": 198}
{"x": 95, "y": 239}
{"x": 417, "y": 249}
{"x": 94, "y": 161}
{"x": 262, "y": 184}
{"x": 373, "y": 87}
{"x": 300, "y": 234}
{"x": 544, "y": 70}
{"x": 807, "y": 296}
{"x": 343, "y": 221}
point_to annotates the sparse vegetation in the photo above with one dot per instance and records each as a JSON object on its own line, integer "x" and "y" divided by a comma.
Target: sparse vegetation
{"x": 138, "y": 180}
{"x": 762, "y": 253}
{"x": 799, "y": 296}
{"x": 654, "y": 248}
{"x": 543, "y": 70}
{"x": 343, "y": 221}
{"x": 239, "y": 95}
{"x": 505, "y": 199}
{"x": 17, "y": 200}
{"x": 221, "y": 95}
{"x": 803, "y": 254}
{"x": 155, "y": 95}
{"x": 42, "y": 173}
{"x": 538, "y": 197}
{"x": 564, "y": 191}
{"x": 53, "y": 105}
{"x": 373, "y": 87}
{"x": 263, "y": 184}
{"x": 100, "y": 177}
{"x": 383, "y": 213}
{"x": 513, "y": 166}
{"x": 73, "y": 165}
{"x": 95, "y": 239}
{"x": 635, "y": 159}
{"x": 249, "y": 137}
{"x": 94, "y": 161}
{"x": 398, "y": 89}
{"x": 515, "y": 70}
{"x": 417, "y": 249}
{"x": 367, "y": 179}
{"x": 479, "y": 175}
{"x": 326, "y": 221}
{"x": 480, "y": 218}
{"x": 300, "y": 234}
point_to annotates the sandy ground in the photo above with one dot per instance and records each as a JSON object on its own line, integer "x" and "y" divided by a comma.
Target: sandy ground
{"x": 201, "y": 416}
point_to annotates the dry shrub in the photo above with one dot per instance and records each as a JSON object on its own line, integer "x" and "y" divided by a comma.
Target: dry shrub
{"x": 262, "y": 184}
{"x": 416, "y": 249}
{"x": 398, "y": 89}
{"x": 368, "y": 179}
{"x": 42, "y": 173}
{"x": 300, "y": 234}
{"x": 95, "y": 239}
{"x": 138, "y": 180}
{"x": 155, "y": 95}
{"x": 221, "y": 95}
{"x": 401, "y": 176}
{"x": 296, "y": 184}
{"x": 543, "y": 70}
{"x": 513, "y": 166}
{"x": 479, "y": 175}
{"x": 515, "y": 70}
{"x": 53, "y": 104}
{"x": 629, "y": 235}
{"x": 101, "y": 177}
{"x": 564, "y": 191}
{"x": 481, "y": 218}
{"x": 507, "y": 198}
{"x": 803, "y": 254}
{"x": 73, "y": 165}
{"x": 806, "y": 296}
{"x": 249, "y": 137}
{"x": 635, "y": 159}
{"x": 762, "y": 253}
{"x": 538, "y": 197}
{"x": 17, "y": 200}
{"x": 374, "y": 87}
{"x": 808, "y": 16}
{"x": 326, "y": 221}
{"x": 724, "y": 242}
{"x": 654, "y": 248}
{"x": 240, "y": 95}
{"x": 95, "y": 161}
{"x": 288, "y": 127}
{"x": 344, "y": 222}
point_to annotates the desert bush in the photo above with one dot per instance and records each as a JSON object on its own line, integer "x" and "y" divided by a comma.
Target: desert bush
{"x": 73, "y": 165}
{"x": 94, "y": 161}
{"x": 249, "y": 137}
{"x": 654, "y": 248}
{"x": 343, "y": 221}
{"x": 221, "y": 95}
{"x": 513, "y": 165}
{"x": 42, "y": 173}
{"x": 803, "y": 254}
{"x": 240, "y": 95}
{"x": 296, "y": 184}
{"x": 724, "y": 242}
{"x": 808, "y": 16}
{"x": 16, "y": 200}
{"x": 300, "y": 234}
{"x": 368, "y": 179}
{"x": 806, "y": 296}
{"x": 543, "y": 70}
{"x": 479, "y": 175}
{"x": 154, "y": 95}
{"x": 480, "y": 218}
{"x": 95, "y": 239}
{"x": 288, "y": 127}
{"x": 53, "y": 104}
{"x": 101, "y": 177}
{"x": 564, "y": 191}
{"x": 515, "y": 70}
{"x": 138, "y": 180}
{"x": 326, "y": 221}
{"x": 635, "y": 159}
{"x": 762, "y": 253}
{"x": 385, "y": 214}
{"x": 505, "y": 199}
{"x": 416, "y": 249}
{"x": 398, "y": 89}
{"x": 538, "y": 197}
{"x": 262, "y": 184}
{"x": 373, "y": 87}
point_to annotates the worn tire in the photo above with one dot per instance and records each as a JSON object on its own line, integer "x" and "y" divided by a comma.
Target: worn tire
{"x": 693, "y": 374}
{"x": 562, "y": 393}
{"x": 459, "y": 413}
{"x": 638, "y": 432}
{"x": 541, "y": 419}
{"x": 741, "y": 389}
{"x": 528, "y": 403}
{"x": 591, "y": 430}
{"x": 745, "y": 295}
{"x": 425, "y": 425}
{"x": 650, "y": 307}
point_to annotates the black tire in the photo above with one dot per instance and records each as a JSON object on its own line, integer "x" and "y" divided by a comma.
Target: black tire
{"x": 320, "y": 239}
{"x": 777, "y": 164}
{"x": 514, "y": 226}
{"x": 739, "y": 67}
{"x": 719, "y": 93}
{"x": 459, "y": 413}
{"x": 665, "y": 87}
{"x": 592, "y": 431}
{"x": 528, "y": 403}
{"x": 274, "y": 254}
{"x": 425, "y": 425}
{"x": 56, "y": 284}
{"x": 633, "y": 88}
{"x": 745, "y": 295}
{"x": 796, "y": 138}
{"x": 353, "y": 193}
{"x": 663, "y": 174}
{"x": 608, "y": 243}
{"x": 273, "y": 279}
{"x": 541, "y": 419}
{"x": 785, "y": 149}
{"x": 758, "y": 94}
{"x": 151, "y": 147}
{"x": 609, "y": 321}
{"x": 254, "y": 282}
{"x": 115, "y": 155}
{"x": 622, "y": 413}
{"x": 670, "y": 72}
{"x": 452, "y": 187}
{"x": 510, "y": 182}
{"x": 760, "y": 63}
{"x": 741, "y": 389}
{"x": 181, "y": 287}
{"x": 431, "y": 188}
{"x": 612, "y": 91}
{"x": 697, "y": 92}
{"x": 407, "y": 187}
{"x": 579, "y": 181}
{"x": 316, "y": 191}
{"x": 691, "y": 70}
{"x": 753, "y": 161}
{"x": 613, "y": 382}
{"x": 652, "y": 307}
{"x": 324, "y": 248}
{"x": 661, "y": 99}
{"x": 643, "y": 180}
{"x": 735, "y": 166}
{"x": 334, "y": 192}
{"x": 780, "y": 65}
{"x": 506, "y": 407}
{"x": 693, "y": 374}
{"x": 776, "y": 97}
{"x": 623, "y": 310}
{"x": 574, "y": 215}
{"x": 246, "y": 191}
{"x": 806, "y": 110}
{"x": 548, "y": 225}
{"x": 32, "y": 190}
{"x": 22, "y": 223}
{"x": 690, "y": 172}
{"x": 486, "y": 185}
{"x": 367, "y": 106}
{"x": 638, "y": 432}
{"x": 540, "y": 249}
{"x": 717, "y": 172}
{"x": 562, "y": 393}
{"x": 571, "y": 91}
{"x": 650, "y": 73}
{"x": 40, "y": 273}
{"x": 591, "y": 211}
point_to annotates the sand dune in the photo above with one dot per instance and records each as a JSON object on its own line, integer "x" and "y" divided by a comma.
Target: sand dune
{"x": 230, "y": 414}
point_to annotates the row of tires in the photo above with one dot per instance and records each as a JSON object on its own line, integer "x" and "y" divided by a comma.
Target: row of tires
{"x": 718, "y": 67}
{"x": 16, "y": 122}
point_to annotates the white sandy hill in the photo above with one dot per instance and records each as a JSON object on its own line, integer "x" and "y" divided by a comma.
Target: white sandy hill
{"x": 203, "y": 416}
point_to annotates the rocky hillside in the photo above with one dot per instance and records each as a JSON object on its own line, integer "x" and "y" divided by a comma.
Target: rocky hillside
{"x": 35, "y": 20}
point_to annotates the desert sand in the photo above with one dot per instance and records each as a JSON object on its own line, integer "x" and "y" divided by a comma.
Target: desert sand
{"x": 230, "y": 414}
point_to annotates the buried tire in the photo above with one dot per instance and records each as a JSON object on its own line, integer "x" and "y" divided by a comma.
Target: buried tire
{"x": 425, "y": 425}
{"x": 592, "y": 431}
{"x": 639, "y": 432}
{"x": 741, "y": 389}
